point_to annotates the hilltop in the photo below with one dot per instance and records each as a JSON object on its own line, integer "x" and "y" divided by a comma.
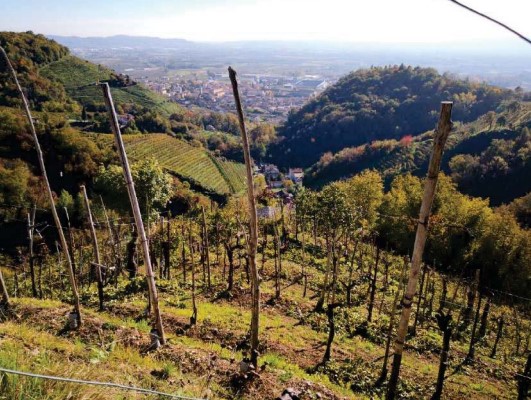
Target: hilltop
{"x": 377, "y": 104}
{"x": 489, "y": 157}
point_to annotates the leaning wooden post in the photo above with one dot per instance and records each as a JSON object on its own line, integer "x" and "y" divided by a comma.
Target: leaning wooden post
{"x": 441, "y": 134}
{"x": 96, "y": 248}
{"x": 56, "y": 219}
{"x": 255, "y": 307}
{"x": 135, "y": 208}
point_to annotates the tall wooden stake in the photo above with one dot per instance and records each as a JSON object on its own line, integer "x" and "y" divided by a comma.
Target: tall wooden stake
{"x": 441, "y": 134}
{"x": 115, "y": 252}
{"x": 95, "y": 246}
{"x": 193, "y": 318}
{"x": 56, "y": 219}
{"x": 255, "y": 279}
{"x": 206, "y": 247}
{"x": 31, "y": 229}
{"x": 135, "y": 208}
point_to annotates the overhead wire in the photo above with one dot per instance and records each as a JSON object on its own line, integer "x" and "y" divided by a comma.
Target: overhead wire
{"x": 521, "y": 36}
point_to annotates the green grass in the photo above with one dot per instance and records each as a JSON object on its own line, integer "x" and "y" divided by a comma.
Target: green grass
{"x": 29, "y": 349}
{"x": 291, "y": 348}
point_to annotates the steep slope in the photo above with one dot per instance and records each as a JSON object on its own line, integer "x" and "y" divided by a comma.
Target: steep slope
{"x": 66, "y": 101}
{"x": 489, "y": 157}
{"x": 79, "y": 77}
{"x": 378, "y": 104}
{"x": 193, "y": 164}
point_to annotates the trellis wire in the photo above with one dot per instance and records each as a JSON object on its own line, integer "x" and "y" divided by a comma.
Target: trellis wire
{"x": 97, "y": 383}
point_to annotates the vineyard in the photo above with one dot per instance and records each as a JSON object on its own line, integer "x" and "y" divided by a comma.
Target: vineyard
{"x": 79, "y": 78}
{"x": 193, "y": 164}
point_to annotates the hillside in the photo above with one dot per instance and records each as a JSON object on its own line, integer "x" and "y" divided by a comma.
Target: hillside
{"x": 68, "y": 105}
{"x": 378, "y": 104}
{"x": 495, "y": 142}
{"x": 204, "y": 360}
{"x": 193, "y": 164}
{"x": 79, "y": 77}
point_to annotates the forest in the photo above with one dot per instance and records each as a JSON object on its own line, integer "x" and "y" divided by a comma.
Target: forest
{"x": 487, "y": 158}
{"x": 377, "y": 104}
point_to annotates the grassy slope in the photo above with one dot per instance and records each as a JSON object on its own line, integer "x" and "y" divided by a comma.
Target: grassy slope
{"x": 188, "y": 162}
{"x": 74, "y": 72}
{"x": 201, "y": 360}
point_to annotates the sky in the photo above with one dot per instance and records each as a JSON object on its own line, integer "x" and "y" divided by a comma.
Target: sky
{"x": 388, "y": 21}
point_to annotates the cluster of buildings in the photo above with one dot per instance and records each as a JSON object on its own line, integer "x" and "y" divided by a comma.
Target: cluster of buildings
{"x": 277, "y": 180}
{"x": 266, "y": 97}
{"x": 278, "y": 184}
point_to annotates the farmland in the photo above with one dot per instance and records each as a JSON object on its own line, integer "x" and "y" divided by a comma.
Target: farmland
{"x": 193, "y": 164}
{"x": 79, "y": 78}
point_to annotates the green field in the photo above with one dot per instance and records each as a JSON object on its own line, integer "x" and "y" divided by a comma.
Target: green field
{"x": 190, "y": 163}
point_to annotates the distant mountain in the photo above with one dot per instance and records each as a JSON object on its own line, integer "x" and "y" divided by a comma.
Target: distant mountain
{"x": 119, "y": 41}
{"x": 377, "y": 104}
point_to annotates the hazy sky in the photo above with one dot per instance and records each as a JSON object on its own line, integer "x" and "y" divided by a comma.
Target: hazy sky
{"x": 221, "y": 20}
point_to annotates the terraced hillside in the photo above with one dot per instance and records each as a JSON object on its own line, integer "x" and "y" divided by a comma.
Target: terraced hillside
{"x": 74, "y": 73}
{"x": 193, "y": 164}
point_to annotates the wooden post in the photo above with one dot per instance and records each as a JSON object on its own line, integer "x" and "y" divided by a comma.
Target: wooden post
{"x": 114, "y": 250}
{"x": 70, "y": 240}
{"x": 441, "y": 134}
{"x": 96, "y": 248}
{"x": 255, "y": 284}
{"x": 166, "y": 250}
{"x": 484, "y": 319}
{"x": 31, "y": 230}
{"x": 49, "y": 193}
{"x": 277, "y": 256}
{"x": 421, "y": 291}
{"x": 136, "y": 210}
{"x": 472, "y": 347}
{"x": 373, "y": 286}
{"x": 206, "y": 248}
{"x": 391, "y": 325}
{"x": 442, "y": 300}
{"x": 183, "y": 251}
{"x": 193, "y": 318}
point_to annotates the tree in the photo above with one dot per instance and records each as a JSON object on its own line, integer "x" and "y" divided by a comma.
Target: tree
{"x": 364, "y": 196}
{"x": 14, "y": 179}
{"x": 333, "y": 218}
{"x": 261, "y": 136}
{"x": 153, "y": 186}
